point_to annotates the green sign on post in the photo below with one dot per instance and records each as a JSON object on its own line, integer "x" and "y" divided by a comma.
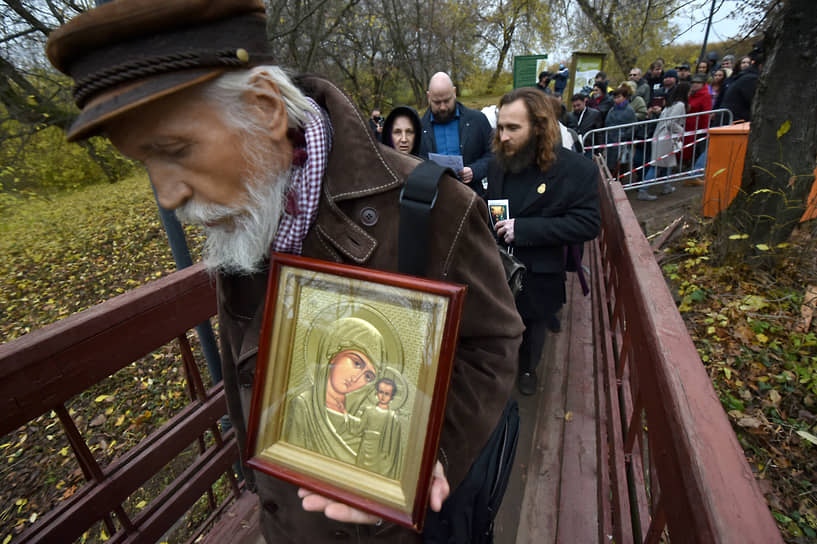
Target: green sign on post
{"x": 526, "y": 69}
{"x": 583, "y": 71}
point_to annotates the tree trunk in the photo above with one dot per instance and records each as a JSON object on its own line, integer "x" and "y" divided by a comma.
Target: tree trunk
{"x": 625, "y": 56}
{"x": 782, "y": 147}
{"x": 503, "y": 54}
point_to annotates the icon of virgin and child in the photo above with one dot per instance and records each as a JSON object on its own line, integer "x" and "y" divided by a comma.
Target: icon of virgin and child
{"x": 348, "y": 412}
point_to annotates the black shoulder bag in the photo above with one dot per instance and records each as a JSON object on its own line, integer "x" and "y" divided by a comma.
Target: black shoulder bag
{"x": 514, "y": 269}
{"x": 467, "y": 516}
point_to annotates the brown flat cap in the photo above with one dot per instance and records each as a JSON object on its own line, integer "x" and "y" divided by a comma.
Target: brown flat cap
{"x": 126, "y": 53}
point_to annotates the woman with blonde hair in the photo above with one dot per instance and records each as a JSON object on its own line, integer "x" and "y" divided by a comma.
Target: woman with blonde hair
{"x": 636, "y": 102}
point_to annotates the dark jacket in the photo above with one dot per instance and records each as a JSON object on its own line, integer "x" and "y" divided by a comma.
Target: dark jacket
{"x": 475, "y": 142}
{"x": 412, "y": 114}
{"x": 603, "y": 103}
{"x": 655, "y": 83}
{"x": 591, "y": 120}
{"x": 560, "y": 207}
{"x": 739, "y": 94}
{"x": 560, "y": 80}
{"x": 357, "y": 223}
{"x": 618, "y": 116}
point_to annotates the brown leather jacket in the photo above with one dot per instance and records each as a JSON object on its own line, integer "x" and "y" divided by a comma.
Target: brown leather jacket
{"x": 357, "y": 223}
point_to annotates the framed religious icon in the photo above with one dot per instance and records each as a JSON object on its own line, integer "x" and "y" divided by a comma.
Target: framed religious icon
{"x": 351, "y": 381}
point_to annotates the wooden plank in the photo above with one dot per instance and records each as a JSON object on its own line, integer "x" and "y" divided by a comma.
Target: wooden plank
{"x": 239, "y": 525}
{"x": 578, "y": 509}
{"x": 615, "y": 473}
{"x": 186, "y": 490}
{"x": 538, "y": 517}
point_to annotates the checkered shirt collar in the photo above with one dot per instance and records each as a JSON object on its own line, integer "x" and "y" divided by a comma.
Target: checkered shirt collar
{"x": 305, "y": 184}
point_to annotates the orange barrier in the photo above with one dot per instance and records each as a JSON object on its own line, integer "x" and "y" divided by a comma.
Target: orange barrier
{"x": 724, "y": 166}
{"x": 724, "y": 170}
{"x": 811, "y": 201}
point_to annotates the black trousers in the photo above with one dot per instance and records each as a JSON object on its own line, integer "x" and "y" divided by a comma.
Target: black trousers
{"x": 533, "y": 343}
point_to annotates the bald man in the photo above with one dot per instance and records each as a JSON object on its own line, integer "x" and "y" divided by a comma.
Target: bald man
{"x": 449, "y": 128}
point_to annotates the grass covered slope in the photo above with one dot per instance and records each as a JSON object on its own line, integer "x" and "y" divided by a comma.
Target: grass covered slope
{"x": 60, "y": 255}
{"x": 65, "y": 253}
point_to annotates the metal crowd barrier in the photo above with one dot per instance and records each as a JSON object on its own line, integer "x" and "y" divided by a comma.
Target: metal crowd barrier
{"x": 628, "y": 149}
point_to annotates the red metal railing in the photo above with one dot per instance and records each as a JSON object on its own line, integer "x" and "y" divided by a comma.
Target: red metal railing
{"x": 43, "y": 370}
{"x": 675, "y": 465}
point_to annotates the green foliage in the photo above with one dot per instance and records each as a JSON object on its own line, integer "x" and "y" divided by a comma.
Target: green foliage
{"x": 44, "y": 163}
{"x": 59, "y": 255}
{"x": 76, "y": 249}
{"x": 478, "y": 84}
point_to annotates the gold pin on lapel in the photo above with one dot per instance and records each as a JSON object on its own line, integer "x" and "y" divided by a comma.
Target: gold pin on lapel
{"x": 541, "y": 189}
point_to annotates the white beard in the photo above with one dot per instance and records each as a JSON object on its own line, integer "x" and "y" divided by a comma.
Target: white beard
{"x": 241, "y": 245}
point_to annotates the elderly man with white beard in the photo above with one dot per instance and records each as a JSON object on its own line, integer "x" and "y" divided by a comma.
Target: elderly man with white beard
{"x": 272, "y": 162}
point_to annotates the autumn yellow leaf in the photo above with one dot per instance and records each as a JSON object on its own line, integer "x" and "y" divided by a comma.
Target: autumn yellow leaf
{"x": 762, "y": 338}
{"x": 753, "y": 303}
{"x": 807, "y": 436}
{"x": 784, "y": 128}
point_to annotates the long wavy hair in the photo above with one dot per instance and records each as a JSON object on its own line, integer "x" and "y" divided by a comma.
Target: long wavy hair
{"x": 544, "y": 124}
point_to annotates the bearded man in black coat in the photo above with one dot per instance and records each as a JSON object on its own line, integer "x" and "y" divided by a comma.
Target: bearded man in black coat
{"x": 553, "y": 202}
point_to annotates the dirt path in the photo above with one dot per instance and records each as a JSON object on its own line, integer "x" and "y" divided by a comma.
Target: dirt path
{"x": 655, "y": 215}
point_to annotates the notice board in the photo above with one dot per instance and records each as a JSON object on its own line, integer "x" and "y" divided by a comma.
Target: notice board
{"x": 526, "y": 69}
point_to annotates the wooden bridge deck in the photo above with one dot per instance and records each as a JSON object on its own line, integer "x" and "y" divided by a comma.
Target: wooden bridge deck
{"x": 551, "y": 496}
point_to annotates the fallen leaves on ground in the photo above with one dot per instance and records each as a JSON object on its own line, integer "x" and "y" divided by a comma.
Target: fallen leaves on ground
{"x": 59, "y": 256}
{"x": 748, "y": 327}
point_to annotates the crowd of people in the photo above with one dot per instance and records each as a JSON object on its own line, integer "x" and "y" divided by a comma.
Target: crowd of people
{"x": 657, "y": 94}
{"x": 666, "y": 93}
{"x": 667, "y": 96}
{"x": 504, "y": 159}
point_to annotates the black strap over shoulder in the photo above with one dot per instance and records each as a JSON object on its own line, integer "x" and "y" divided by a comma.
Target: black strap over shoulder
{"x": 417, "y": 198}
{"x": 468, "y": 515}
